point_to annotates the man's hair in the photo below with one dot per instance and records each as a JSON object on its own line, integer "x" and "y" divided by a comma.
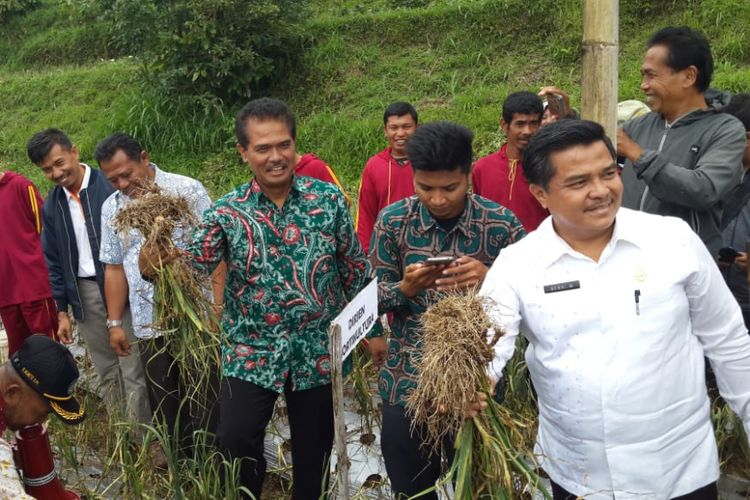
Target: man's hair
{"x": 525, "y": 103}
{"x": 555, "y": 137}
{"x": 686, "y": 47}
{"x": 265, "y": 108}
{"x": 440, "y": 146}
{"x": 400, "y": 108}
{"x": 42, "y": 143}
{"x": 739, "y": 107}
{"x": 109, "y": 146}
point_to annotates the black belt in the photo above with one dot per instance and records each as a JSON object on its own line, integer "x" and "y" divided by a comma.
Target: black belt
{"x": 88, "y": 278}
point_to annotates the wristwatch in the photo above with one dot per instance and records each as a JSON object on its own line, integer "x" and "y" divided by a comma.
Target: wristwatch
{"x": 111, "y": 323}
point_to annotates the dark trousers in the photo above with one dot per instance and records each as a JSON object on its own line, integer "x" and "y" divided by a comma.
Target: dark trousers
{"x": 411, "y": 467}
{"x": 25, "y": 319}
{"x": 246, "y": 409}
{"x": 180, "y": 409}
{"x": 708, "y": 492}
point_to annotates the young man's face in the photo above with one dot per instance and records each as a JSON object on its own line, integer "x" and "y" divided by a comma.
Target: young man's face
{"x": 443, "y": 192}
{"x": 664, "y": 87}
{"x": 127, "y": 175}
{"x": 62, "y": 167}
{"x": 270, "y": 153}
{"x": 398, "y": 129}
{"x": 520, "y": 129}
{"x": 584, "y": 194}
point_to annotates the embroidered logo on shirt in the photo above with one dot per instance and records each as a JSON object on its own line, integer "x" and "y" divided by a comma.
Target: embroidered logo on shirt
{"x": 695, "y": 149}
{"x": 640, "y": 274}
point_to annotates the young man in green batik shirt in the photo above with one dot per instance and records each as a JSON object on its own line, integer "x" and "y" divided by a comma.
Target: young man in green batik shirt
{"x": 441, "y": 219}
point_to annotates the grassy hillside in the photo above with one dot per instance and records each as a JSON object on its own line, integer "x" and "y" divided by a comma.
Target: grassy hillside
{"x": 454, "y": 59}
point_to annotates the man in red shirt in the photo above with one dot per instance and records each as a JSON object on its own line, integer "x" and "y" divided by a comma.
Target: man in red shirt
{"x": 27, "y": 306}
{"x": 387, "y": 177}
{"x": 499, "y": 176}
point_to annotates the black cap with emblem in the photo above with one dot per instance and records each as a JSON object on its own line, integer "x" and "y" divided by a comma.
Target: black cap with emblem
{"x": 49, "y": 368}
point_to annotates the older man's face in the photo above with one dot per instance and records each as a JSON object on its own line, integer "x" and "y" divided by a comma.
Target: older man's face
{"x": 127, "y": 175}
{"x": 662, "y": 85}
{"x": 23, "y": 407}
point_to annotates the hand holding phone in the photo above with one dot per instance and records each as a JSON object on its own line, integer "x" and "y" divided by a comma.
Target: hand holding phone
{"x": 440, "y": 260}
{"x": 728, "y": 254}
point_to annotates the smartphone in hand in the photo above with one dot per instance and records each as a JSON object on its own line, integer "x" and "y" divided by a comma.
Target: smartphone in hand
{"x": 728, "y": 254}
{"x": 556, "y": 106}
{"x": 440, "y": 260}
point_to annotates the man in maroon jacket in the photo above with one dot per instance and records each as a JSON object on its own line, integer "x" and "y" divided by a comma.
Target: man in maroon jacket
{"x": 499, "y": 176}
{"x": 27, "y": 306}
{"x": 387, "y": 177}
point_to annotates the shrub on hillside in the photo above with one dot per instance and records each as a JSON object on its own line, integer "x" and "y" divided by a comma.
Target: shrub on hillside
{"x": 219, "y": 47}
{"x": 12, "y": 7}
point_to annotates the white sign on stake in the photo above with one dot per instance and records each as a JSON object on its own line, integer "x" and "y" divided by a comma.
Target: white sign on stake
{"x": 349, "y": 327}
{"x": 358, "y": 318}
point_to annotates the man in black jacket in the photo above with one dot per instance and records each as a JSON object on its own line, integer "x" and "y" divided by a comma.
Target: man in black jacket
{"x": 70, "y": 239}
{"x": 735, "y": 222}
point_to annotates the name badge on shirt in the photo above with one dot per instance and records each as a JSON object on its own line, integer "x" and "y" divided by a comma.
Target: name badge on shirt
{"x": 562, "y": 287}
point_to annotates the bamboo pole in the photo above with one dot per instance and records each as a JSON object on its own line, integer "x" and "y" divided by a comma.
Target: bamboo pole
{"x": 337, "y": 379}
{"x": 599, "y": 78}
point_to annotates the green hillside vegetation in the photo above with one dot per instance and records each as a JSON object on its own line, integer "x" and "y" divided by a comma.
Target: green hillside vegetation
{"x": 454, "y": 59}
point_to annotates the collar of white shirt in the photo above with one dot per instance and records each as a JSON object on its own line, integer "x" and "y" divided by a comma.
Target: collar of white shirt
{"x": 84, "y": 184}
{"x": 626, "y": 229}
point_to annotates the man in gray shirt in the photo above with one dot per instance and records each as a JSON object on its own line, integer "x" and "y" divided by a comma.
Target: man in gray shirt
{"x": 684, "y": 157}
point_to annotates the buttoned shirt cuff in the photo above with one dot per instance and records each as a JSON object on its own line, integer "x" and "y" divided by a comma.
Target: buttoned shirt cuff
{"x": 495, "y": 369}
{"x": 62, "y": 305}
{"x": 644, "y": 162}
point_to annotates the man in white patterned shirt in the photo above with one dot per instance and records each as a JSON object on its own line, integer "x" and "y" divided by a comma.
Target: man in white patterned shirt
{"x": 619, "y": 308}
{"x": 127, "y": 166}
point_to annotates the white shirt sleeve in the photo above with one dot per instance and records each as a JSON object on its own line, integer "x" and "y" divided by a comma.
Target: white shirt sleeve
{"x": 199, "y": 199}
{"x": 110, "y": 249}
{"x": 504, "y": 311}
{"x": 11, "y": 487}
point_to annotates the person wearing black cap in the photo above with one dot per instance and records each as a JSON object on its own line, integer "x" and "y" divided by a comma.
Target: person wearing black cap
{"x": 38, "y": 378}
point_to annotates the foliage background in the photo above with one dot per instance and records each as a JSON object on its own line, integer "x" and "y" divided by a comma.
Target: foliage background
{"x": 454, "y": 59}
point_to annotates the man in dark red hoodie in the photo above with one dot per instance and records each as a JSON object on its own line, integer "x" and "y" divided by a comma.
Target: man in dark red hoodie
{"x": 26, "y": 307}
{"x": 387, "y": 177}
{"x": 499, "y": 176}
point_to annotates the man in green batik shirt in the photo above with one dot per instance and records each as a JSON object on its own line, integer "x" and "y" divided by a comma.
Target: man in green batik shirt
{"x": 293, "y": 262}
{"x": 441, "y": 219}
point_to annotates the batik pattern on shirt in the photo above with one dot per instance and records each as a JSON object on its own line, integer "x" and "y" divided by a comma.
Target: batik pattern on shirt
{"x": 406, "y": 233}
{"x": 291, "y": 270}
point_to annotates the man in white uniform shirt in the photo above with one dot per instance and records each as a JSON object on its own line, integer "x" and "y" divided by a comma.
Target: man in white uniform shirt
{"x": 619, "y": 308}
